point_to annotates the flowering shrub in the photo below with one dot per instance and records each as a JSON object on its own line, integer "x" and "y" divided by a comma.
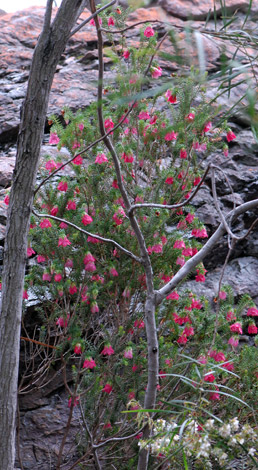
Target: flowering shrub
{"x": 119, "y": 224}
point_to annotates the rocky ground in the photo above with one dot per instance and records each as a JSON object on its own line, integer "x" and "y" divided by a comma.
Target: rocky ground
{"x": 44, "y": 410}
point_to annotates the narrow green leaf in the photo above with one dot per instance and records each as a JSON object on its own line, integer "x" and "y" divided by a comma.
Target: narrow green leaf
{"x": 247, "y": 13}
{"x": 228, "y": 23}
{"x": 207, "y": 18}
{"x": 185, "y": 461}
{"x": 230, "y": 396}
{"x": 215, "y": 16}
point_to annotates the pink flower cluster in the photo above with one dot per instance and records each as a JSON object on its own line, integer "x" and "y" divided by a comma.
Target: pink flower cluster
{"x": 199, "y": 233}
{"x": 158, "y": 248}
{"x": 86, "y": 219}
{"x": 170, "y": 96}
{"x": 119, "y": 216}
{"x": 54, "y": 139}
{"x": 108, "y": 350}
{"x": 149, "y": 32}
{"x": 89, "y": 363}
{"x": 89, "y": 262}
{"x": 173, "y": 296}
{"x": 252, "y": 312}
{"x": 200, "y": 277}
{"x": 156, "y": 72}
{"x": 101, "y": 158}
{"x": 64, "y": 241}
{"x": 45, "y": 223}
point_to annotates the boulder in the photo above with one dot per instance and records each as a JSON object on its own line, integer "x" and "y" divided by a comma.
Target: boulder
{"x": 6, "y": 170}
{"x": 199, "y": 9}
{"x": 240, "y": 273}
{"x": 41, "y": 433}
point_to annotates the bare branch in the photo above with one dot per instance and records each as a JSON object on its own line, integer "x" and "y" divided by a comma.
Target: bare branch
{"x": 218, "y": 298}
{"x": 103, "y": 443}
{"x": 69, "y": 420}
{"x": 117, "y": 439}
{"x": 117, "y": 31}
{"x": 222, "y": 218}
{"x": 38, "y": 342}
{"x": 75, "y": 30}
{"x": 95, "y": 453}
{"x": 205, "y": 250}
{"x": 47, "y": 18}
{"x": 105, "y": 240}
{"x": 173, "y": 206}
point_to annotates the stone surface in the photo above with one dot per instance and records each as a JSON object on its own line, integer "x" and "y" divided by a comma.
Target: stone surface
{"x": 199, "y": 9}
{"x": 6, "y": 170}
{"x": 240, "y": 273}
{"x": 41, "y": 433}
{"x": 18, "y": 35}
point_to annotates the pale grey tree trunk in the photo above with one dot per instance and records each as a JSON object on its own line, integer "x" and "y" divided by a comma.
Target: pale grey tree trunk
{"x": 153, "y": 370}
{"x": 47, "y": 53}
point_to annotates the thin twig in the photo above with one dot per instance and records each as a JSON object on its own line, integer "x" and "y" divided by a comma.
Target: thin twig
{"x": 173, "y": 206}
{"x": 95, "y": 452}
{"x": 38, "y": 342}
{"x": 218, "y": 298}
{"x": 77, "y": 28}
{"x": 68, "y": 424}
{"x": 64, "y": 376}
{"x": 117, "y": 31}
{"x": 153, "y": 359}
{"x": 222, "y": 218}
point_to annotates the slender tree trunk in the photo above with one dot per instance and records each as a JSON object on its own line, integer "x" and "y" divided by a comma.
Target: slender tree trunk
{"x": 47, "y": 53}
{"x": 153, "y": 369}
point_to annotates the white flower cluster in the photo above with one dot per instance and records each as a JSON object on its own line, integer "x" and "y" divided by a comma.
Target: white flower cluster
{"x": 201, "y": 442}
{"x": 165, "y": 435}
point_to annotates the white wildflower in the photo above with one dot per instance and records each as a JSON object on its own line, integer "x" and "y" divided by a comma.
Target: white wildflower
{"x": 209, "y": 424}
{"x": 252, "y": 451}
{"x": 240, "y": 439}
{"x": 247, "y": 431}
{"x": 192, "y": 426}
{"x": 225, "y": 430}
{"x": 223, "y": 458}
{"x": 234, "y": 424}
{"x": 171, "y": 426}
{"x": 232, "y": 442}
{"x": 202, "y": 453}
{"x": 155, "y": 447}
{"x": 204, "y": 443}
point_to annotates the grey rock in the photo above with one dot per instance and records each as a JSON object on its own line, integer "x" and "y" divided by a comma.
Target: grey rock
{"x": 199, "y": 9}
{"x": 241, "y": 274}
{"x": 41, "y": 433}
{"x": 6, "y": 171}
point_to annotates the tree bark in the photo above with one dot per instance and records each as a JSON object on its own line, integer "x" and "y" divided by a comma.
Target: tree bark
{"x": 153, "y": 370}
{"x": 46, "y": 56}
